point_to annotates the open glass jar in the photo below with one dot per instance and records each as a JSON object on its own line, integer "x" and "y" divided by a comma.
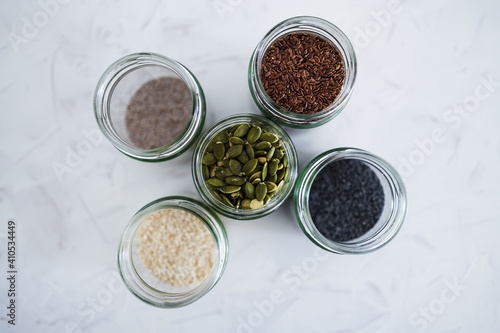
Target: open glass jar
{"x": 136, "y": 73}
{"x": 206, "y": 191}
{"x": 134, "y": 269}
{"x": 392, "y": 213}
{"x": 307, "y": 25}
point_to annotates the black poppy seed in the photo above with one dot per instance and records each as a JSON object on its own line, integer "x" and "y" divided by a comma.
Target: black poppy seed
{"x": 346, "y": 200}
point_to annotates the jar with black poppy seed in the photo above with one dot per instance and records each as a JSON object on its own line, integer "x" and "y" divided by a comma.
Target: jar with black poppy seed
{"x": 302, "y": 72}
{"x": 350, "y": 201}
{"x": 245, "y": 166}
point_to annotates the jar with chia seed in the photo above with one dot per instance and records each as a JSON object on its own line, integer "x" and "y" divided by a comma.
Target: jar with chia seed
{"x": 302, "y": 72}
{"x": 244, "y": 166}
{"x": 349, "y": 201}
{"x": 173, "y": 251}
{"x": 150, "y": 107}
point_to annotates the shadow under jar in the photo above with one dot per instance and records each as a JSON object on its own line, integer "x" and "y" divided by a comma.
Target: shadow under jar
{"x": 359, "y": 201}
{"x": 307, "y": 64}
{"x": 212, "y": 195}
{"x": 172, "y": 252}
{"x": 150, "y": 107}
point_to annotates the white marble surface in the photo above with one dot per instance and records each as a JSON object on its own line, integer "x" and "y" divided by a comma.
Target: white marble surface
{"x": 417, "y": 68}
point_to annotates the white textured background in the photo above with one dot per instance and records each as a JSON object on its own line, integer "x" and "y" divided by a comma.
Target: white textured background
{"x": 422, "y": 70}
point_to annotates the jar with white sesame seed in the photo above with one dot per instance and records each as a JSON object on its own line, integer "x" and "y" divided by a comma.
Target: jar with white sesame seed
{"x": 172, "y": 252}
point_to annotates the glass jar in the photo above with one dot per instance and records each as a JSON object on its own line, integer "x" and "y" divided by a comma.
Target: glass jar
{"x": 120, "y": 82}
{"x": 311, "y": 25}
{"x": 208, "y": 195}
{"x": 152, "y": 290}
{"x": 393, "y": 212}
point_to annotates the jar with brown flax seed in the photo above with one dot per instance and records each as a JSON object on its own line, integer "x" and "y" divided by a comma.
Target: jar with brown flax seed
{"x": 302, "y": 72}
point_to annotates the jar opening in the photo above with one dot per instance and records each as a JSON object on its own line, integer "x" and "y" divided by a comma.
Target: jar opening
{"x": 379, "y": 201}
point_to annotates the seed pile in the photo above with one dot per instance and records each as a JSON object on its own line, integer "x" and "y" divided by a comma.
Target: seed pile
{"x": 345, "y": 200}
{"x": 158, "y": 112}
{"x": 302, "y": 72}
{"x": 176, "y": 247}
{"x": 245, "y": 166}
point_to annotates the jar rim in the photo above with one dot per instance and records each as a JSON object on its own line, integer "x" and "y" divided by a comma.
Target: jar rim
{"x": 386, "y": 232}
{"x": 128, "y": 64}
{"x": 151, "y": 295}
{"x": 324, "y": 29}
{"x": 207, "y": 195}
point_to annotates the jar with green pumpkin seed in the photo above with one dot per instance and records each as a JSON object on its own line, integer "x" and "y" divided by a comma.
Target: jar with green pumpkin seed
{"x": 245, "y": 166}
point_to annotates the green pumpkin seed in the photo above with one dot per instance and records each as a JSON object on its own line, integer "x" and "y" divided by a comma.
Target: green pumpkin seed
{"x": 235, "y": 166}
{"x": 226, "y": 201}
{"x": 243, "y": 158}
{"x": 272, "y": 178}
{"x": 279, "y": 153}
{"x": 255, "y": 176}
{"x": 219, "y": 150}
{"x": 250, "y": 166}
{"x": 277, "y": 144}
{"x": 285, "y": 176}
{"x": 270, "y": 153}
{"x": 226, "y": 172}
{"x": 219, "y": 173}
{"x": 216, "y": 193}
{"x": 206, "y": 172}
{"x": 264, "y": 171}
{"x": 232, "y": 129}
{"x": 234, "y": 195}
{"x": 216, "y": 182}
{"x": 210, "y": 147}
{"x": 267, "y": 198}
{"x": 235, "y": 180}
{"x": 271, "y": 187}
{"x": 254, "y": 134}
{"x": 250, "y": 151}
{"x": 222, "y": 137}
{"x": 256, "y": 181}
{"x": 234, "y": 151}
{"x": 230, "y": 189}
{"x": 273, "y": 167}
{"x": 249, "y": 190}
{"x": 280, "y": 186}
{"x": 264, "y": 145}
{"x": 236, "y": 141}
{"x": 260, "y": 191}
{"x": 238, "y": 203}
{"x": 209, "y": 159}
{"x": 280, "y": 175}
{"x": 242, "y": 130}
{"x": 260, "y": 153}
{"x": 245, "y": 203}
{"x": 284, "y": 161}
{"x": 280, "y": 166}
{"x": 212, "y": 171}
{"x": 255, "y": 204}
{"x": 270, "y": 137}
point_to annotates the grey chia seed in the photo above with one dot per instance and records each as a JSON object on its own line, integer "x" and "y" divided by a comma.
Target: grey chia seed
{"x": 158, "y": 112}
